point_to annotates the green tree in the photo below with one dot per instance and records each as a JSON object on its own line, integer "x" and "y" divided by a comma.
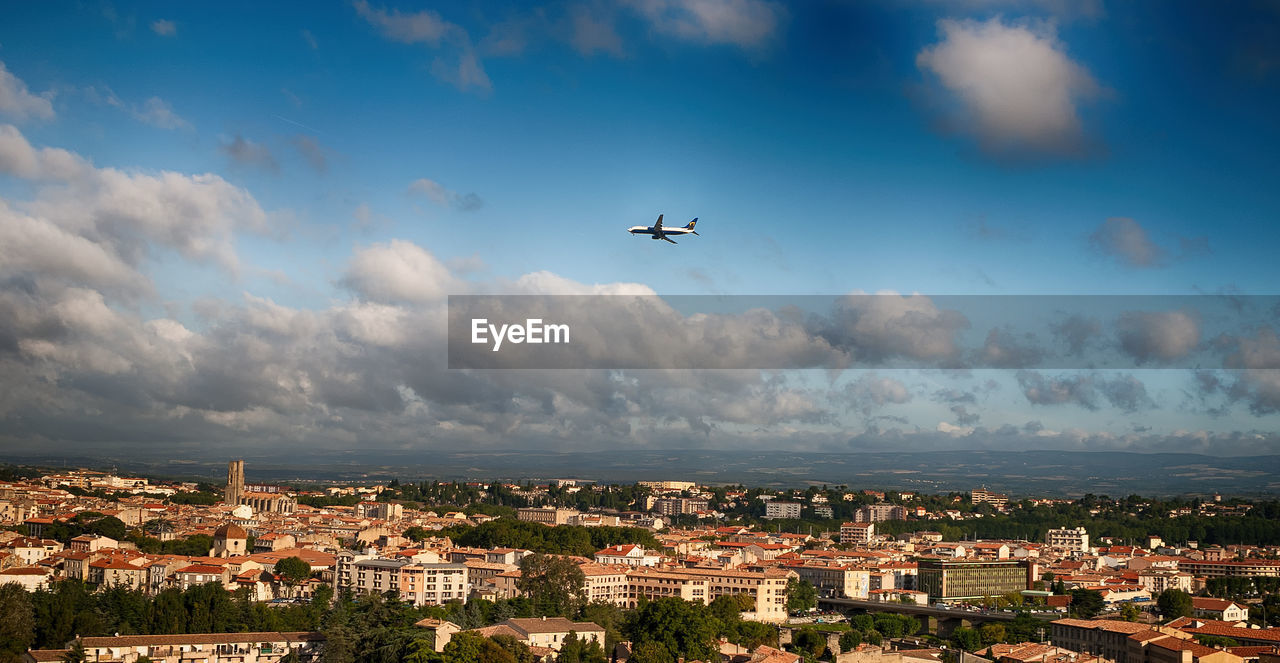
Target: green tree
{"x": 1129, "y": 612}
{"x": 555, "y": 585}
{"x": 682, "y": 628}
{"x": 17, "y": 622}
{"x": 606, "y": 615}
{"x": 966, "y": 638}
{"x": 75, "y": 653}
{"x": 472, "y": 648}
{"x": 849, "y": 640}
{"x": 809, "y": 643}
{"x": 575, "y": 650}
{"x": 1174, "y": 603}
{"x": 801, "y": 595}
{"x": 991, "y": 633}
{"x": 1086, "y": 603}
{"x": 339, "y": 645}
{"x": 294, "y": 570}
{"x": 518, "y": 650}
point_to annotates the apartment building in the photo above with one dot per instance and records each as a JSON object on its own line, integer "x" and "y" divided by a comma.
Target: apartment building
{"x": 1219, "y": 569}
{"x": 546, "y": 516}
{"x": 782, "y": 510}
{"x": 658, "y": 583}
{"x": 880, "y": 512}
{"x": 606, "y": 583}
{"x": 768, "y": 588}
{"x": 834, "y": 580}
{"x": 678, "y": 506}
{"x": 375, "y": 576}
{"x": 1101, "y": 637}
{"x": 433, "y": 584}
{"x": 857, "y": 533}
{"x": 1074, "y": 539}
{"x": 982, "y": 495}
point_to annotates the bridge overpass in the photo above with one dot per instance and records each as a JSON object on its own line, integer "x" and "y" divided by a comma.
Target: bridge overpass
{"x": 939, "y": 621}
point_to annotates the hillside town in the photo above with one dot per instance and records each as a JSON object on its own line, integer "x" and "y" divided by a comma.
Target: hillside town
{"x": 884, "y": 585}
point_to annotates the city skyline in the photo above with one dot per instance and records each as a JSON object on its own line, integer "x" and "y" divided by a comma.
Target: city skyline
{"x": 238, "y": 230}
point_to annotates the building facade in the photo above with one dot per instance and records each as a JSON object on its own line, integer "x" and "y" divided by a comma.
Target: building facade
{"x": 948, "y": 580}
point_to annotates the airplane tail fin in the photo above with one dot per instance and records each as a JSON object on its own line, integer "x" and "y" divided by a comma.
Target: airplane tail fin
{"x": 691, "y": 224}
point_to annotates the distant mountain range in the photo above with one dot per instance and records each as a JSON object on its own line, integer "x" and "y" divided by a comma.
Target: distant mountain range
{"x": 1019, "y": 473}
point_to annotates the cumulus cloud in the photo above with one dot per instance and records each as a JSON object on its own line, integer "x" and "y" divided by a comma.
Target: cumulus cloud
{"x": 19, "y": 159}
{"x": 18, "y": 103}
{"x": 1005, "y": 349}
{"x": 245, "y": 152}
{"x": 1128, "y": 242}
{"x": 85, "y": 363}
{"x": 871, "y": 392}
{"x": 1083, "y": 389}
{"x": 438, "y": 194}
{"x": 461, "y": 67}
{"x": 1158, "y": 336}
{"x": 1013, "y": 86}
{"x": 1062, "y": 390}
{"x": 1077, "y": 331}
{"x": 594, "y": 32}
{"x": 875, "y": 327}
{"x": 408, "y": 28}
{"x": 398, "y": 272}
{"x": 164, "y": 27}
{"x": 746, "y": 23}
{"x": 1125, "y": 392}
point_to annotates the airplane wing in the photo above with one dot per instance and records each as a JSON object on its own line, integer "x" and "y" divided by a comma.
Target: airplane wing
{"x": 668, "y": 239}
{"x": 658, "y": 226}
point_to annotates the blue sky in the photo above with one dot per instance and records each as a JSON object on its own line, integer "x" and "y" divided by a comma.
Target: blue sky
{"x": 971, "y": 147}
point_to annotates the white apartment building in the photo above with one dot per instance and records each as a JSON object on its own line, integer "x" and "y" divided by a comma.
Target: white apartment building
{"x": 434, "y": 584}
{"x": 1073, "y": 539}
{"x": 782, "y": 510}
{"x": 859, "y": 533}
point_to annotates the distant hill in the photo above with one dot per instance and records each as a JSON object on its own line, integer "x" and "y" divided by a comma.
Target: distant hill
{"x": 1019, "y": 473}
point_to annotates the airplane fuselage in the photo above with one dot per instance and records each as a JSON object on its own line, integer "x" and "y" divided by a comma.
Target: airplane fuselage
{"x": 659, "y": 231}
{"x": 657, "y": 234}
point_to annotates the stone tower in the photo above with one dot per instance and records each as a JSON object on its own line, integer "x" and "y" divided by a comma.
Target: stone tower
{"x": 235, "y": 483}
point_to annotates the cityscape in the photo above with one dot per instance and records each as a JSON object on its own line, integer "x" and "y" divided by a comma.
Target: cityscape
{"x": 112, "y": 567}
{"x": 640, "y": 331}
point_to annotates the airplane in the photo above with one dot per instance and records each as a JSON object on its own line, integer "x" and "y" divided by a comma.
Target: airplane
{"x": 658, "y": 232}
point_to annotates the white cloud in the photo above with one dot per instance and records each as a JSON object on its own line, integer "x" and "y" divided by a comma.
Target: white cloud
{"x": 1158, "y": 336}
{"x": 20, "y": 159}
{"x": 438, "y": 194}
{"x": 398, "y": 272}
{"x": 745, "y": 23}
{"x": 245, "y": 152}
{"x": 19, "y": 103}
{"x": 164, "y": 27}
{"x": 465, "y": 73}
{"x": 594, "y": 32}
{"x": 1014, "y": 86}
{"x": 1127, "y": 241}
{"x": 154, "y": 111}
{"x": 460, "y": 66}
{"x": 424, "y": 26}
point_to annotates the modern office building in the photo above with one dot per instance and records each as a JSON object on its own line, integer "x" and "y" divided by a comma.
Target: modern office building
{"x": 950, "y": 580}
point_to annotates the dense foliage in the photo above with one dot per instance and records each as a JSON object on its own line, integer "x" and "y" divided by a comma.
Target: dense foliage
{"x": 560, "y": 540}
